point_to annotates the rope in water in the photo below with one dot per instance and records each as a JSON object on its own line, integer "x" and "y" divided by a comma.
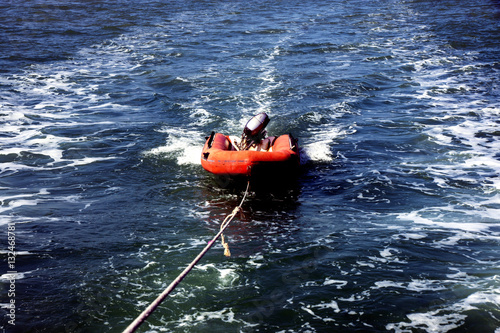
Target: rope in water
{"x": 149, "y": 310}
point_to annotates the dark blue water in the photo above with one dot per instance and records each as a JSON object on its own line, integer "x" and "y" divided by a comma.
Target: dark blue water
{"x": 392, "y": 225}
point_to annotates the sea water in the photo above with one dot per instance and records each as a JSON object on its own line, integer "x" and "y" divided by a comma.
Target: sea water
{"x": 392, "y": 225}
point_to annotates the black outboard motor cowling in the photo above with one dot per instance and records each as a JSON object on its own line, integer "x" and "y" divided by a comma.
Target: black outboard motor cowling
{"x": 256, "y": 125}
{"x": 254, "y": 130}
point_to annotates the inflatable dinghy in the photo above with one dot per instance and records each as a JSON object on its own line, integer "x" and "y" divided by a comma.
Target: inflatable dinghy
{"x": 254, "y": 155}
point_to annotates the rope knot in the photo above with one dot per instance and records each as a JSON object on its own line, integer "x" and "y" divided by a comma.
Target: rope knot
{"x": 236, "y": 210}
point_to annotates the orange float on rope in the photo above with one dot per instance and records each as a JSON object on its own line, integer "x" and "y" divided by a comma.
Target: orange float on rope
{"x": 273, "y": 156}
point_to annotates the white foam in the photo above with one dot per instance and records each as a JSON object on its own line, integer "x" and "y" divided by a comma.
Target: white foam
{"x": 431, "y": 321}
{"x": 226, "y": 315}
{"x": 182, "y": 145}
{"x": 201, "y": 117}
{"x": 387, "y": 284}
{"x": 11, "y": 202}
{"x": 459, "y": 275}
{"x": 482, "y": 297}
{"x": 413, "y": 285}
{"x": 7, "y": 277}
{"x": 317, "y": 151}
{"x": 228, "y": 277}
{"x": 411, "y": 236}
{"x": 255, "y": 261}
{"x": 331, "y": 305}
{"x": 18, "y": 253}
{"x": 311, "y": 312}
{"x": 476, "y": 227}
{"x": 338, "y": 283}
{"x": 318, "y": 148}
{"x": 386, "y": 253}
{"x": 448, "y": 317}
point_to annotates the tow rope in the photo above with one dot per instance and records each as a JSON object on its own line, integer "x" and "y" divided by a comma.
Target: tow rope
{"x": 149, "y": 310}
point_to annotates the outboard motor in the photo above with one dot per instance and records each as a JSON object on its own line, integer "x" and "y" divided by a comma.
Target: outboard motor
{"x": 254, "y": 131}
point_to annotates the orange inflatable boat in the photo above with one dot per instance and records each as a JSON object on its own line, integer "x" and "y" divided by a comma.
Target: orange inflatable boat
{"x": 272, "y": 156}
{"x": 254, "y": 155}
